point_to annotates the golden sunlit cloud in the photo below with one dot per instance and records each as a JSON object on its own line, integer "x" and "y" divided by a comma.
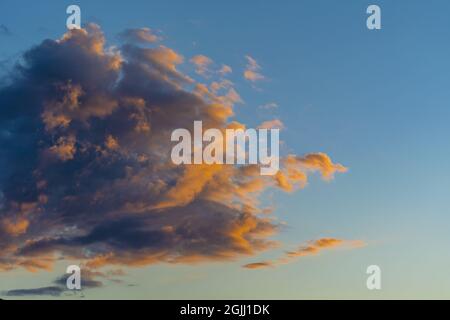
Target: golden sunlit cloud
{"x": 311, "y": 248}
{"x": 94, "y": 182}
{"x": 202, "y": 63}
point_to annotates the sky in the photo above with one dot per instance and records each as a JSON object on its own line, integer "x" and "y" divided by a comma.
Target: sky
{"x": 85, "y": 119}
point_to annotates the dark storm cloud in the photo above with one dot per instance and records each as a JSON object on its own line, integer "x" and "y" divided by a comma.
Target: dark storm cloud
{"x": 85, "y": 134}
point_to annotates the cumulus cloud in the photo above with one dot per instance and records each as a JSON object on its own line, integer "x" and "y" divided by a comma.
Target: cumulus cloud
{"x": 309, "y": 249}
{"x": 85, "y": 140}
{"x": 139, "y": 35}
{"x": 225, "y": 69}
{"x": 252, "y": 72}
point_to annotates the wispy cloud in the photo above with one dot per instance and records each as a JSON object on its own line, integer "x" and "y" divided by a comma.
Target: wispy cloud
{"x": 139, "y": 35}
{"x": 272, "y": 124}
{"x": 309, "y": 249}
{"x": 225, "y": 69}
{"x": 4, "y": 30}
{"x": 252, "y": 72}
{"x": 42, "y": 291}
{"x": 59, "y": 286}
{"x": 268, "y": 106}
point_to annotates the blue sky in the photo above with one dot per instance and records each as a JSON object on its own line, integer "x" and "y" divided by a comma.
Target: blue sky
{"x": 375, "y": 101}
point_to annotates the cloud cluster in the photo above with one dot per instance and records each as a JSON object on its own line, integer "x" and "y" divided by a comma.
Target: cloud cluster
{"x": 84, "y": 134}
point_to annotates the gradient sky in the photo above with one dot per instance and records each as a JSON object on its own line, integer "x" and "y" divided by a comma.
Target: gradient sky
{"x": 374, "y": 101}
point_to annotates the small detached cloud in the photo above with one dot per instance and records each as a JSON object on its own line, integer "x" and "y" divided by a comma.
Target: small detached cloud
{"x": 252, "y": 71}
{"x": 59, "y": 286}
{"x": 258, "y": 265}
{"x": 311, "y": 248}
{"x": 225, "y": 70}
{"x": 139, "y": 35}
{"x": 205, "y": 67}
{"x": 202, "y": 64}
{"x": 54, "y": 291}
{"x": 269, "y": 106}
{"x": 4, "y": 30}
{"x": 295, "y": 169}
